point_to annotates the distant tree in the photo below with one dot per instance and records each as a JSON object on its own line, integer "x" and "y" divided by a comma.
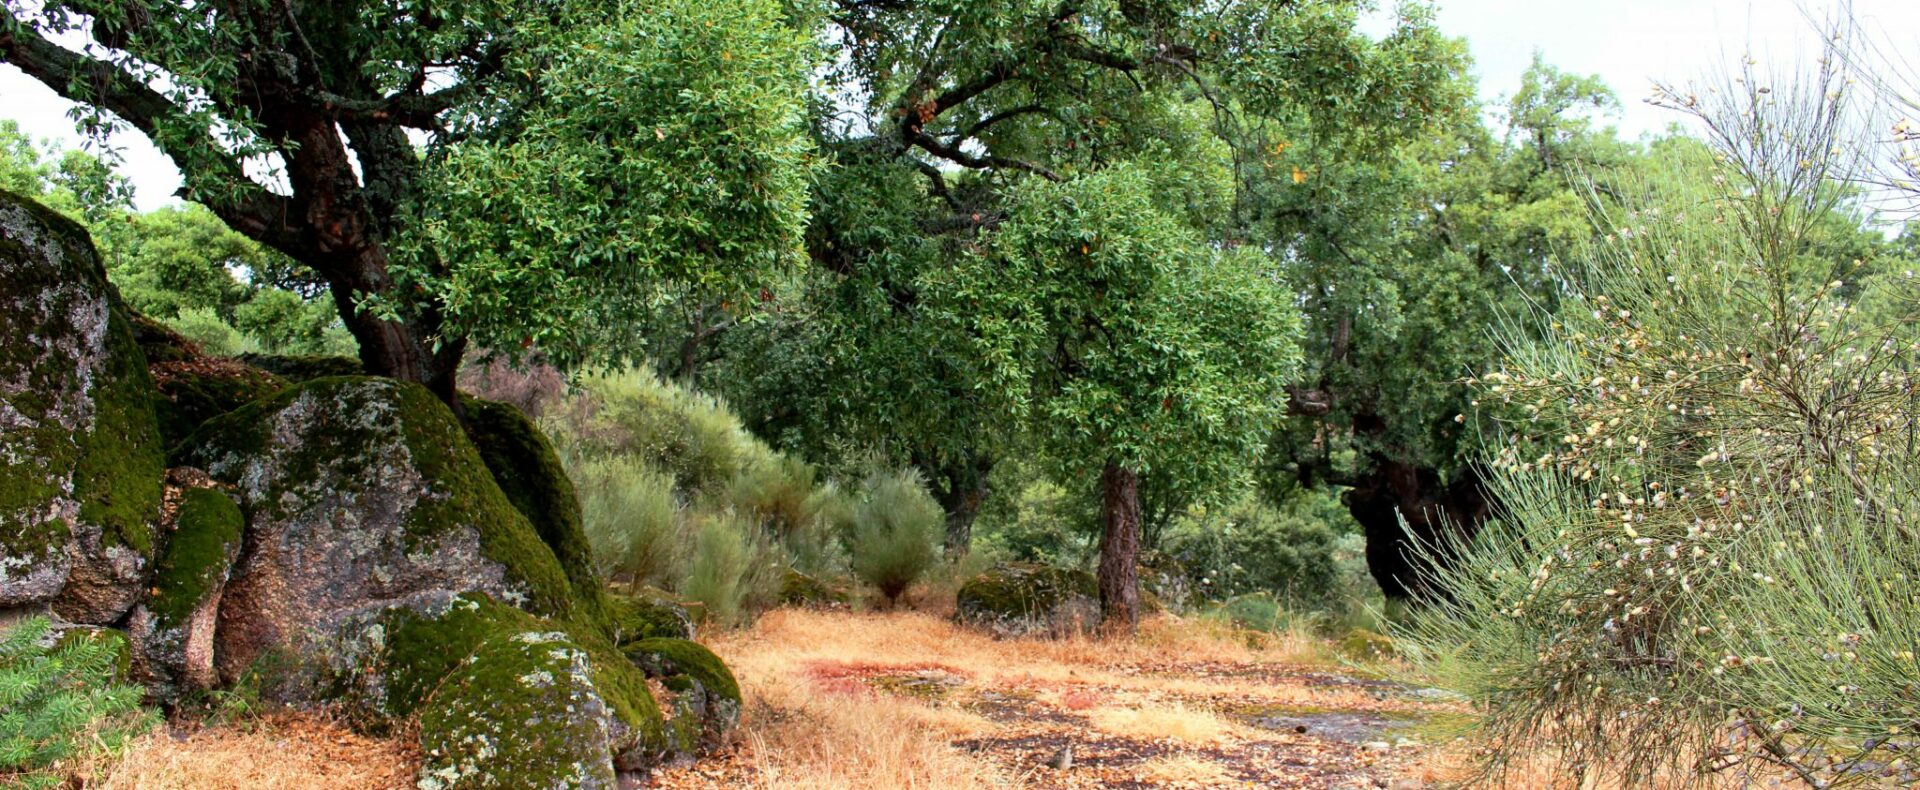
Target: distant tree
{"x": 499, "y": 171}
{"x": 1129, "y": 346}
{"x": 1405, "y": 259}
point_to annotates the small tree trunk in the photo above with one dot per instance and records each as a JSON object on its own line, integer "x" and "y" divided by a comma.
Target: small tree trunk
{"x": 960, "y": 488}
{"x": 1120, "y": 550}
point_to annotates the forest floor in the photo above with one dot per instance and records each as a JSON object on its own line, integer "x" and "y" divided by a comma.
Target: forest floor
{"x": 839, "y": 699}
{"x": 910, "y": 700}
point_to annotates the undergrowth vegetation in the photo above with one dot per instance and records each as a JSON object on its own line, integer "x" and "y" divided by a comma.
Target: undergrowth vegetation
{"x": 62, "y": 696}
{"x": 1704, "y": 564}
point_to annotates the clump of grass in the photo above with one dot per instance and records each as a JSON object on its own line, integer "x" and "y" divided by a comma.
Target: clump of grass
{"x": 733, "y": 569}
{"x": 895, "y": 531}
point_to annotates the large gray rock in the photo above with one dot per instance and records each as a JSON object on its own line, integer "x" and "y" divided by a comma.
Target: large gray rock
{"x": 361, "y": 495}
{"x": 80, "y": 454}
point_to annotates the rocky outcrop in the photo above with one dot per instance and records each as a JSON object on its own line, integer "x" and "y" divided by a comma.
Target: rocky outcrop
{"x": 361, "y": 494}
{"x": 343, "y": 540}
{"x": 80, "y": 454}
{"x": 1022, "y": 599}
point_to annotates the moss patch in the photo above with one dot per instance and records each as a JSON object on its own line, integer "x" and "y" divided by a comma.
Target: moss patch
{"x": 69, "y": 343}
{"x": 206, "y": 535}
{"x": 1023, "y": 590}
{"x": 522, "y": 711}
{"x": 193, "y": 391}
{"x": 529, "y": 472}
{"x": 118, "y": 479}
{"x": 799, "y": 589}
{"x": 647, "y": 614}
{"x": 421, "y": 650}
{"x": 668, "y": 657}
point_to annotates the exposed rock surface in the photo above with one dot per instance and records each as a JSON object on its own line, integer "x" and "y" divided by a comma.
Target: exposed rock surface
{"x": 80, "y": 454}
{"x": 174, "y": 628}
{"x": 361, "y": 494}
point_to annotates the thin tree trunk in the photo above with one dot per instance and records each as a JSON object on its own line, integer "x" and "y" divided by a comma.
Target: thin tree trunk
{"x": 1120, "y": 550}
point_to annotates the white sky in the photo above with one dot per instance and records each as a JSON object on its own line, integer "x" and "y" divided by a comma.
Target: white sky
{"x": 1627, "y": 43}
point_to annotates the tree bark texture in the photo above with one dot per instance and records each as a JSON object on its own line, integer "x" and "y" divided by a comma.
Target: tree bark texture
{"x": 1120, "y": 550}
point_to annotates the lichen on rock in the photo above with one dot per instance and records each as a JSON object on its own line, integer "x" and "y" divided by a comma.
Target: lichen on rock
{"x": 80, "y": 454}
{"x": 521, "y": 711}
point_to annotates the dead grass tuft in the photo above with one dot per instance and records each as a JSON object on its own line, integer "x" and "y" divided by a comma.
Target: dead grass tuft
{"x": 1165, "y": 720}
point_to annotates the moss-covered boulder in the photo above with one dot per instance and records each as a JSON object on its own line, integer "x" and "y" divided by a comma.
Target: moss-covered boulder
{"x": 1023, "y": 599}
{"x": 174, "y": 626}
{"x": 401, "y": 664}
{"x": 519, "y": 713}
{"x": 198, "y": 389}
{"x": 528, "y": 471}
{"x": 80, "y": 454}
{"x": 800, "y": 589}
{"x": 361, "y": 494}
{"x": 705, "y": 707}
{"x": 646, "y": 613}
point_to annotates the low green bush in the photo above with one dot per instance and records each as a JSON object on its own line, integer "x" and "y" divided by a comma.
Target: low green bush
{"x": 895, "y": 533}
{"x": 733, "y": 571}
{"x": 631, "y": 517}
{"x": 60, "y": 699}
{"x": 1306, "y": 553}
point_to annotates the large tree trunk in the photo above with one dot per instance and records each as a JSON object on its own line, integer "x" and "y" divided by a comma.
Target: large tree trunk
{"x": 1120, "y": 550}
{"x": 1432, "y": 507}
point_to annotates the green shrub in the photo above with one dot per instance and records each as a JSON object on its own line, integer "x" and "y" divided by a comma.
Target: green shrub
{"x": 1704, "y": 560}
{"x": 213, "y": 334}
{"x": 1306, "y": 553}
{"x": 734, "y": 570}
{"x": 776, "y": 491}
{"x": 1036, "y": 520}
{"x": 631, "y": 517}
{"x": 895, "y": 533}
{"x": 61, "y": 699}
{"x": 691, "y": 435}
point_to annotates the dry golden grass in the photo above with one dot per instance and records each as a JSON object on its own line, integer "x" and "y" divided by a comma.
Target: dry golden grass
{"x": 840, "y": 699}
{"x": 1184, "y": 770}
{"x": 1164, "y": 720}
{"x": 290, "y": 752}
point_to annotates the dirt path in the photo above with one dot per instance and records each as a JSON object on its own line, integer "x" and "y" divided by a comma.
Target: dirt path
{"x": 838, "y": 699}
